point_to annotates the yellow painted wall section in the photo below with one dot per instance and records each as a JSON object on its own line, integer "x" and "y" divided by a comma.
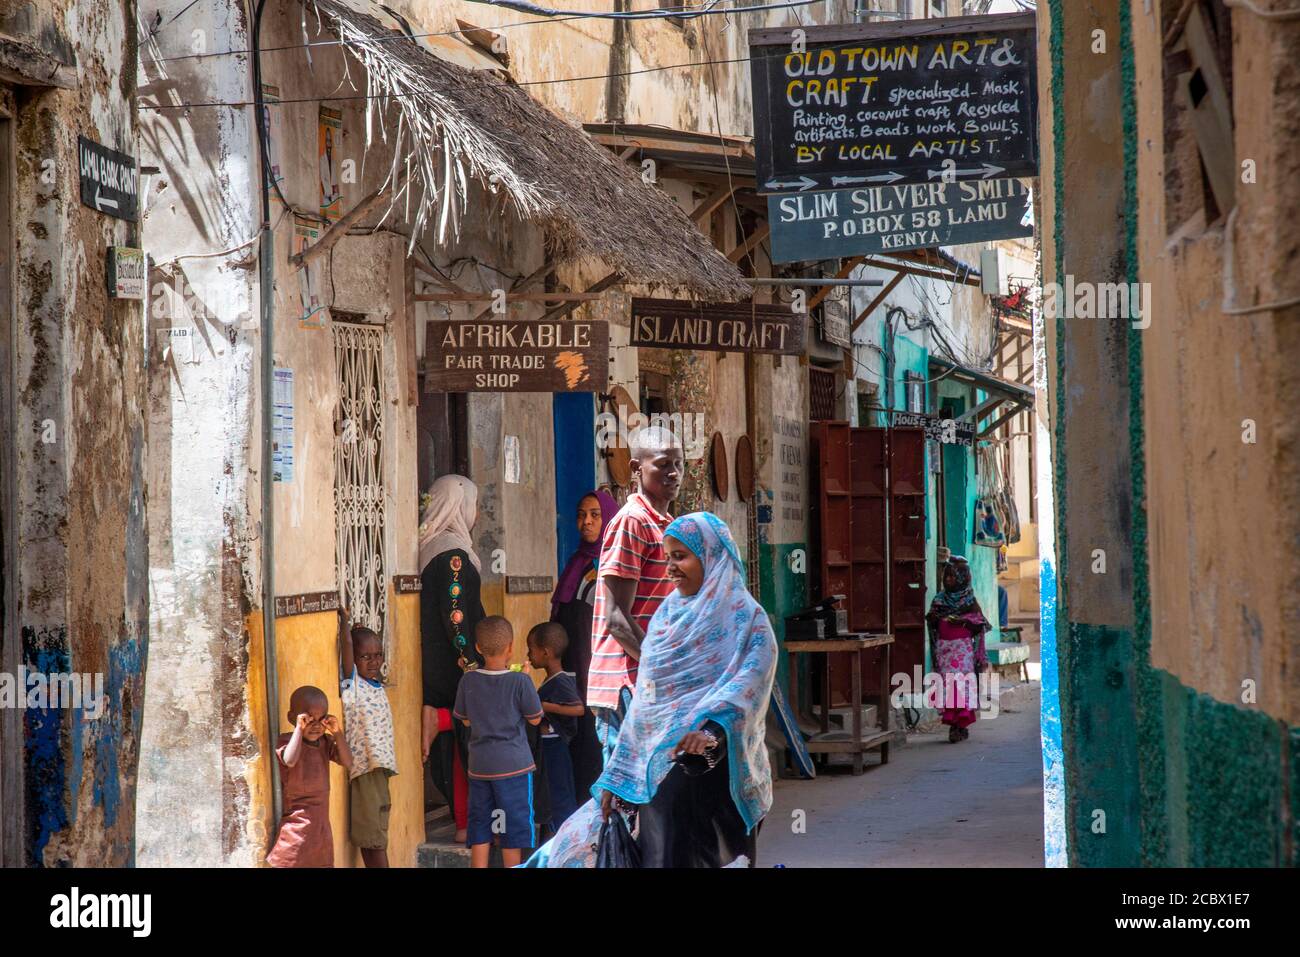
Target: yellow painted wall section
{"x": 257, "y": 773}
{"x": 523, "y": 611}
{"x": 307, "y": 654}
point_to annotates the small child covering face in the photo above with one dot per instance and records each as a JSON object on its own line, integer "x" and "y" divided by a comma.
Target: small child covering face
{"x": 368, "y": 719}
{"x": 562, "y": 707}
{"x": 495, "y": 703}
{"x": 304, "y": 838}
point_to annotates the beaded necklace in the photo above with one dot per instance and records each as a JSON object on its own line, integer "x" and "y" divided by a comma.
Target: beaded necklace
{"x": 457, "y": 616}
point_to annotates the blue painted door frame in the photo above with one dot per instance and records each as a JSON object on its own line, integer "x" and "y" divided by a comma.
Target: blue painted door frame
{"x": 574, "y": 419}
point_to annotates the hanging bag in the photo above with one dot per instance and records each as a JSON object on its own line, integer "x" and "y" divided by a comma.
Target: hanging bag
{"x": 616, "y": 847}
{"x": 990, "y": 523}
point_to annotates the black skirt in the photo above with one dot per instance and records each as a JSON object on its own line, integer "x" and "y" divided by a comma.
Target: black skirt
{"x": 692, "y": 821}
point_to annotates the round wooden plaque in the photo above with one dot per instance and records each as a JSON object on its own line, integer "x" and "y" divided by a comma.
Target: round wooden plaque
{"x": 744, "y": 468}
{"x": 619, "y": 457}
{"x": 718, "y": 456}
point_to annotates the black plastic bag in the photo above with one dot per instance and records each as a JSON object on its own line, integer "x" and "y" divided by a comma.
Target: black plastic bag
{"x": 616, "y": 847}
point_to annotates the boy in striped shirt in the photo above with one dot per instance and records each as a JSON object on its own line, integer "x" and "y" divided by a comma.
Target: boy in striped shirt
{"x": 633, "y": 579}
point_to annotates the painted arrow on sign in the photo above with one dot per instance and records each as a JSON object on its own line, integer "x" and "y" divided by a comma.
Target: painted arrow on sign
{"x": 802, "y": 183}
{"x": 985, "y": 172}
{"x": 103, "y": 202}
{"x": 880, "y": 178}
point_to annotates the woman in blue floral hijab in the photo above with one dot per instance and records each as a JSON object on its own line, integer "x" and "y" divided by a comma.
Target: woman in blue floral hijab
{"x": 691, "y": 765}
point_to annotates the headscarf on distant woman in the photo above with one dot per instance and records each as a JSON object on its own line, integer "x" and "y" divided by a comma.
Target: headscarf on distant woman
{"x": 585, "y": 556}
{"x": 708, "y": 662}
{"x": 957, "y": 624}
{"x": 447, "y": 519}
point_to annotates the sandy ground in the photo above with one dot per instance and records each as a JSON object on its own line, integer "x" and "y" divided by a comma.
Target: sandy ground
{"x": 978, "y": 803}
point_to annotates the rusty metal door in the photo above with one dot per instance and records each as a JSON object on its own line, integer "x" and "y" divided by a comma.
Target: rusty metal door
{"x": 907, "y": 495}
{"x": 871, "y": 497}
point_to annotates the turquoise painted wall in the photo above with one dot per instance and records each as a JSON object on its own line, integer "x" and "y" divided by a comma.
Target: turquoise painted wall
{"x": 959, "y": 465}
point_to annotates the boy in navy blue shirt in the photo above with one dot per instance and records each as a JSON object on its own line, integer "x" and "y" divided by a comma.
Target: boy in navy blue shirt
{"x": 495, "y": 703}
{"x": 563, "y": 706}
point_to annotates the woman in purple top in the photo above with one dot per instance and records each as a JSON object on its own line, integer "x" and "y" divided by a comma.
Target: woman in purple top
{"x": 571, "y": 606}
{"x": 957, "y": 627}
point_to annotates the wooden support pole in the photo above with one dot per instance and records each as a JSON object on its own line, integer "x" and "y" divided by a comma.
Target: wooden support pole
{"x": 914, "y": 271}
{"x": 849, "y": 265}
{"x": 412, "y": 361}
{"x": 752, "y": 240}
{"x": 339, "y": 229}
{"x": 599, "y": 286}
{"x": 983, "y": 409}
{"x": 714, "y": 200}
{"x": 1014, "y": 410}
{"x": 880, "y": 297}
{"x": 509, "y": 297}
{"x": 739, "y": 180}
{"x": 536, "y": 276}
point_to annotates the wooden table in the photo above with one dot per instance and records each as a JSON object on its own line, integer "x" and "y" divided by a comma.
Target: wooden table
{"x": 858, "y": 744}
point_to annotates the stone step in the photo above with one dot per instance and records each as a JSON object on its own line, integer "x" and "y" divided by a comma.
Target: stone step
{"x": 429, "y": 854}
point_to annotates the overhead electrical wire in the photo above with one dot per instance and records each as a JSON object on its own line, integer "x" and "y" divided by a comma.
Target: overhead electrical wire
{"x": 395, "y": 96}
{"x": 675, "y": 13}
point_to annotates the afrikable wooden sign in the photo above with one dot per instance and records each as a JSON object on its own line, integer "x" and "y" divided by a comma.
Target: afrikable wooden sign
{"x": 717, "y": 327}
{"x": 876, "y": 219}
{"x": 912, "y": 101}
{"x": 502, "y": 355}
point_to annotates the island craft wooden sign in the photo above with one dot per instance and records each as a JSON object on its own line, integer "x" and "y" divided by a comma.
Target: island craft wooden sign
{"x": 717, "y": 327}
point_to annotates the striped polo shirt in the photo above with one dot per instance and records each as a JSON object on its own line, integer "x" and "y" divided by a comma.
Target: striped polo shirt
{"x": 634, "y": 548}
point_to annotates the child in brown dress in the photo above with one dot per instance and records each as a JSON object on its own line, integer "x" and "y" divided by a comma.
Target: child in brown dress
{"x": 305, "y": 838}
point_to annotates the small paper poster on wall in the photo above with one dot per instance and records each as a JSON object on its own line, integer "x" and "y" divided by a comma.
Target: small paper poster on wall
{"x": 282, "y": 426}
{"x": 331, "y": 144}
{"x": 312, "y": 315}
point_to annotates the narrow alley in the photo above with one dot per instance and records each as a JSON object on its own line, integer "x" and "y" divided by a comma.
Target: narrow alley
{"x": 647, "y": 435}
{"x": 978, "y": 803}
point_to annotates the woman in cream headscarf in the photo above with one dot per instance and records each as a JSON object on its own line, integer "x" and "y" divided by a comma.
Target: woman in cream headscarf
{"x": 450, "y": 608}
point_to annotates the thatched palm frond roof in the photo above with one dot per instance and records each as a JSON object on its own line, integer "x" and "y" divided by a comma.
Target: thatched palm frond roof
{"x": 454, "y": 123}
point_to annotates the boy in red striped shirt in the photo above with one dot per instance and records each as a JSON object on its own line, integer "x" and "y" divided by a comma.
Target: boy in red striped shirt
{"x": 633, "y": 578}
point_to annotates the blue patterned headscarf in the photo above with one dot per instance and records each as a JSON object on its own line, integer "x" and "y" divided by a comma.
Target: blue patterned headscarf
{"x": 710, "y": 656}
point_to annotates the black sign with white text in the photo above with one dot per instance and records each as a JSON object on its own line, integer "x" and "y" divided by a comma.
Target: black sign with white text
{"x": 109, "y": 181}
{"x": 875, "y": 104}
{"x": 858, "y": 222}
{"x": 938, "y": 428}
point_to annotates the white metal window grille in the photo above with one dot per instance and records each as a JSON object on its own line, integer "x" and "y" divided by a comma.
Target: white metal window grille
{"x": 359, "y": 475}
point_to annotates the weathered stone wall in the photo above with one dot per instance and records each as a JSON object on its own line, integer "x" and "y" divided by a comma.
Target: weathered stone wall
{"x": 1157, "y": 733}
{"x": 80, "y": 435}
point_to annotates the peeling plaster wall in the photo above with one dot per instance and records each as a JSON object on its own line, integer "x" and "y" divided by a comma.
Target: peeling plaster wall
{"x": 200, "y": 742}
{"x": 80, "y": 508}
